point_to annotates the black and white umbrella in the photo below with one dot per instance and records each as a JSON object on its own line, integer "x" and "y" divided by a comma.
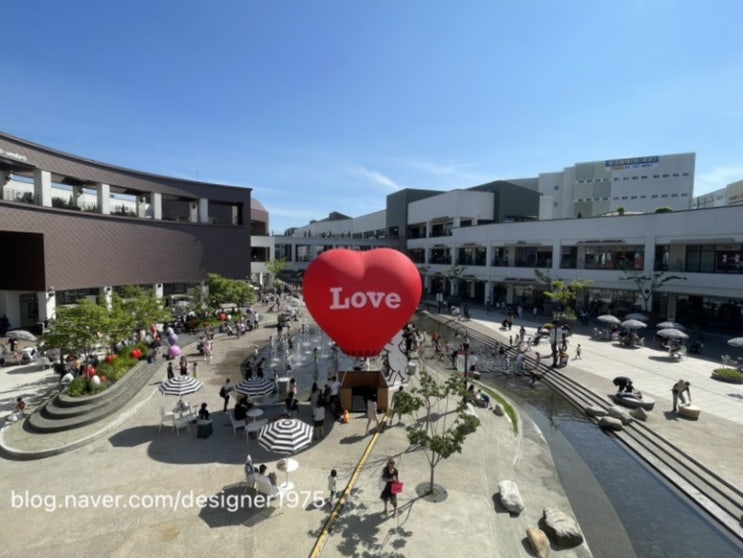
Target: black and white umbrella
{"x": 180, "y": 386}
{"x": 672, "y": 333}
{"x": 285, "y": 436}
{"x": 255, "y": 387}
{"x": 633, "y": 324}
{"x": 636, "y": 316}
{"x": 22, "y": 335}
{"x": 670, "y": 325}
{"x": 609, "y": 319}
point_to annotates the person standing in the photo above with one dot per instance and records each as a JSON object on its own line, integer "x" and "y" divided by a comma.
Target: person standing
{"x": 577, "y": 353}
{"x": 390, "y": 475}
{"x": 224, "y": 393}
{"x": 171, "y": 374}
{"x": 318, "y": 418}
{"x": 371, "y": 413}
{"x": 332, "y": 486}
{"x": 679, "y": 389}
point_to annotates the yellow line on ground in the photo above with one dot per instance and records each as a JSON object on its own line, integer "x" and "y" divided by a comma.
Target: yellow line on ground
{"x": 322, "y": 538}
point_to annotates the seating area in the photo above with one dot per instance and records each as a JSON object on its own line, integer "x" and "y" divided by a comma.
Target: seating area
{"x": 236, "y": 424}
{"x": 175, "y": 420}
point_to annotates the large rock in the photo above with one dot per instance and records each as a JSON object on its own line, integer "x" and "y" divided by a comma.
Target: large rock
{"x": 562, "y": 528}
{"x": 510, "y": 496}
{"x": 499, "y": 410}
{"x": 621, "y": 414}
{"x": 539, "y": 542}
{"x": 594, "y": 411}
{"x": 639, "y": 414}
{"x": 610, "y": 423}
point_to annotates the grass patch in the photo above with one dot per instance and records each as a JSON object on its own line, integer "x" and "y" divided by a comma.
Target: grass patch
{"x": 729, "y": 375}
{"x": 510, "y": 411}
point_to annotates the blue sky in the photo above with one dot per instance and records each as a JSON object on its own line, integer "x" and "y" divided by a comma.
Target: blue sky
{"x": 330, "y": 105}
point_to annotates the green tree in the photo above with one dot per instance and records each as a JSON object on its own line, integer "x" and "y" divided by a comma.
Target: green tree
{"x": 647, "y": 284}
{"x": 135, "y": 309}
{"x": 79, "y": 329}
{"x": 223, "y": 290}
{"x": 563, "y": 294}
{"x": 437, "y": 428}
{"x": 454, "y": 275}
{"x": 276, "y": 267}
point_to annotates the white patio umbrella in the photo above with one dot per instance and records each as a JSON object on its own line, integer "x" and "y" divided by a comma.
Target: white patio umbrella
{"x": 636, "y": 316}
{"x": 285, "y": 436}
{"x": 672, "y": 333}
{"x": 736, "y": 342}
{"x": 255, "y": 387}
{"x": 22, "y": 335}
{"x": 180, "y": 386}
{"x": 633, "y": 323}
{"x": 609, "y": 319}
{"x": 670, "y": 325}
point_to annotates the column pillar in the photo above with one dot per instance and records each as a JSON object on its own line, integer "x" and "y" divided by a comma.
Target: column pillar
{"x": 47, "y": 305}
{"x": 203, "y": 210}
{"x": 156, "y": 200}
{"x": 42, "y": 188}
{"x": 103, "y": 191}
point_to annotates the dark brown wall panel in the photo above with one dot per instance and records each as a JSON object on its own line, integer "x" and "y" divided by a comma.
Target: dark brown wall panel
{"x": 84, "y": 250}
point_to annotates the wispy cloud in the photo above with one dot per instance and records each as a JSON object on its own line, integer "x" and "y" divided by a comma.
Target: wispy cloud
{"x": 716, "y": 178}
{"x": 377, "y": 178}
{"x": 460, "y": 174}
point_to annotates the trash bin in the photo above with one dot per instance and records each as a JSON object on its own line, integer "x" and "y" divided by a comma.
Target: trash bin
{"x": 204, "y": 429}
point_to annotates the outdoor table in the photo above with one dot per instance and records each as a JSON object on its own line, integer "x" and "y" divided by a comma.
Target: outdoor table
{"x": 290, "y": 465}
{"x": 254, "y": 413}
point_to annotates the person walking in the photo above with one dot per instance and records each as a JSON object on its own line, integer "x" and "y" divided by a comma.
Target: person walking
{"x": 371, "y": 413}
{"x": 390, "y": 476}
{"x": 679, "y": 389}
{"x": 332, "y": 486}
{"x": 577, "y": 352}
{"x": 224, "y": 393}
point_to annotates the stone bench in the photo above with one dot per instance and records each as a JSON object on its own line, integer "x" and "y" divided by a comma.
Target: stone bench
{"x": 689, "y": 411}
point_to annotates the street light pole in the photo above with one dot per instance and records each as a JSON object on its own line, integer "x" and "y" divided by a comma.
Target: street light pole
{"x": 466, "y": 347}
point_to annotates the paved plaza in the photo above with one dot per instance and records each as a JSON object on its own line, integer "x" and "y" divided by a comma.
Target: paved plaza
{"x": 134, "y": 489}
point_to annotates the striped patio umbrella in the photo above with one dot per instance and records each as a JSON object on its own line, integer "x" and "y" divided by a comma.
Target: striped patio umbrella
{"x": 672, "y": 333}
{"x": 670, "y": 325}
{"x": 633, "y": 323}
{"x": 180, "y": 386}
{"x": 285, "y": 436}
{"x": 255, "y": 387}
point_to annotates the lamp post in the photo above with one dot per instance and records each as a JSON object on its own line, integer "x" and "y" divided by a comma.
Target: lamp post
{"x": 466, "y": 348}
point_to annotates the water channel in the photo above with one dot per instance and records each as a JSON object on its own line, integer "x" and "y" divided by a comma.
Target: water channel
{"x": 624, "y": 508}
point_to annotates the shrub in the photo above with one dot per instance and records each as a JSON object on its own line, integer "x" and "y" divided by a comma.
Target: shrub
{"x": 77, "y": 387}
{"x": 80, "y": 387}
{"x": 729, "y": 375}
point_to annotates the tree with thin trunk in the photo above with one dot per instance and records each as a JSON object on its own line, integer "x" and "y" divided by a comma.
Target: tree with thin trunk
{"x": 440, "y": 422}
{"x": 647, "y": 284}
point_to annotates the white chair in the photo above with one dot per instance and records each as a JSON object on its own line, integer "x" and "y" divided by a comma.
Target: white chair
{"x": 236, "y": 424}
{"x": 254, "y": 427}
{"x": 181, "y": 422}
{"x": 167, "y": 419}
{"x": 171, "y": 419}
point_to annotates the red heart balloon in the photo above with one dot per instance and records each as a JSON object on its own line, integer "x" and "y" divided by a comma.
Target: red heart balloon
{"x": 362, "y": 299}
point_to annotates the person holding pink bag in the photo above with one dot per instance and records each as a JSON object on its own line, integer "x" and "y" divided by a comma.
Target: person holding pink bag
{"x": 392, "y": 486}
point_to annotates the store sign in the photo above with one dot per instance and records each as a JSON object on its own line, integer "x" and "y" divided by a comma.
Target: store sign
{"x": 12, "y": 155}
